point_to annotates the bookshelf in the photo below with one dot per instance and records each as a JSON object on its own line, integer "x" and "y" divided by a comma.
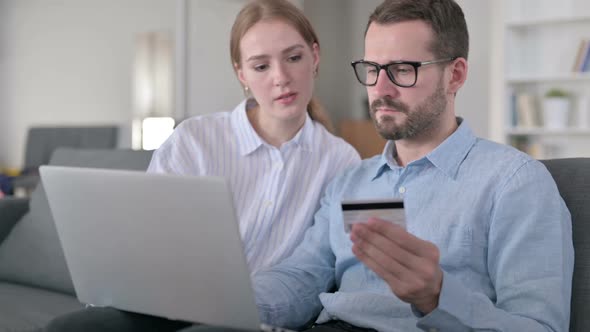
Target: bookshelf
{"x": 551, "y": 78}
{"x": 541, "y": 40}
{"x": 533, "y": 21}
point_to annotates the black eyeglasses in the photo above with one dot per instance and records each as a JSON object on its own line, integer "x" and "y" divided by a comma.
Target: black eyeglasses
{"x": 401, "y": 73}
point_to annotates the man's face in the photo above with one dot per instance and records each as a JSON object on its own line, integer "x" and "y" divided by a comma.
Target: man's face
{"x": 405, "y": 113}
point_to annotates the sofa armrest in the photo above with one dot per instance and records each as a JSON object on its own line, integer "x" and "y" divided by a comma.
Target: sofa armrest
{"x": 26, "y": 181}
{"x": 24, "y": 185}
{"x": 11, "y": 211}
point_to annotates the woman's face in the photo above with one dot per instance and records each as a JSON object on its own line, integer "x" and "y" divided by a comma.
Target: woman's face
{"x": 278, "y": 65}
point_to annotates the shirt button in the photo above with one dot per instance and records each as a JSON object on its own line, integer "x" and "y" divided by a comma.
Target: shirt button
{"x": 402, "y": 190}
{"x": 268, "y": 203}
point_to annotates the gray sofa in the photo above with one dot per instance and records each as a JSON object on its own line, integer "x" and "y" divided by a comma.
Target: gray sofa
{"x": 35, "y": 285}
{"x": 573, "y": 180}
{"x": 42, "y": 141}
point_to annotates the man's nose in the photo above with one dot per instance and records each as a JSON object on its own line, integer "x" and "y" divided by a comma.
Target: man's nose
{"x": 384, "y": 86}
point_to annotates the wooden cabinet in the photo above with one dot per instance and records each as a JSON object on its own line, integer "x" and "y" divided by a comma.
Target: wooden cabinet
{"x": 363, "y": 136}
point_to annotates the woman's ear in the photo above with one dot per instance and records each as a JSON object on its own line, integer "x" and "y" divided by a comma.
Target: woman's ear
{"x": 315, "y": 50}
{"x": 240, "y": 74}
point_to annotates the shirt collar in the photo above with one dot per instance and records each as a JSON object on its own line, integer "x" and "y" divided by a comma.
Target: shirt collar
{"x": 386, "y": 161}
{"x": 304, "y": 137}
{"x": 249, "y": 140}
{"x": 447, "y": 157}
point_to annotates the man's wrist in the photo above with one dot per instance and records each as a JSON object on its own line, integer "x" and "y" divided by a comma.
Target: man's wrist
{"x": 432, "y": 303}
{"x": 428, "y": 307}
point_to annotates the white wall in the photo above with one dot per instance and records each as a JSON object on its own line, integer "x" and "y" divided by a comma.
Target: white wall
{"x": 69, "y": 62}
{"x": 473, "y": 100}
{"x": 4, "y": 114}
{"x": 212, "y": 85}
{"x": 496, "y": 115}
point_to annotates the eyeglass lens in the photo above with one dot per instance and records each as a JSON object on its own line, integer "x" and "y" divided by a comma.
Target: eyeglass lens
{"x": 402, "y": 74}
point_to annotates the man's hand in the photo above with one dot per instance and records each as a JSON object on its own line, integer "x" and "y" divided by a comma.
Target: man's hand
{"x": 409, "y": 265}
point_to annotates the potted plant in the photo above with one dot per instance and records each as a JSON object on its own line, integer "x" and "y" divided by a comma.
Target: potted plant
{"x": 556, "y": 108}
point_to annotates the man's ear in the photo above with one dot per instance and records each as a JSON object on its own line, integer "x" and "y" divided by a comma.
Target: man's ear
{"x": 458, "y": 75}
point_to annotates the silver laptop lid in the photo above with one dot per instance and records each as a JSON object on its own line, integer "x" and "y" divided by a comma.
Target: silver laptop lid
{"x": 156, "y": 244}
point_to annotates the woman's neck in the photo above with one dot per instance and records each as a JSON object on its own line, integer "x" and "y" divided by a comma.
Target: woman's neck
{"x": 274, "y": 131}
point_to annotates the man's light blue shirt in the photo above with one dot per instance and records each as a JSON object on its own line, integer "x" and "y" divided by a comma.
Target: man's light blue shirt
{"x": 503, "y": 231}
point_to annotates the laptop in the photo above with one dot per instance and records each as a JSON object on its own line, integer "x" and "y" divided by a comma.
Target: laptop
{"x": 156, "y": 244}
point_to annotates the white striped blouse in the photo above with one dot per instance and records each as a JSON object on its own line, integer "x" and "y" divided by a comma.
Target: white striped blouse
{"x": 276, "y": 191}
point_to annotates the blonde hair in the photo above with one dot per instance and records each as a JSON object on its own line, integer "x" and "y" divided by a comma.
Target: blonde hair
{"x": 259, "y": 10}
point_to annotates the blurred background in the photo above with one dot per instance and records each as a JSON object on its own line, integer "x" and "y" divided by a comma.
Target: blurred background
{"x": 143, "y": 66}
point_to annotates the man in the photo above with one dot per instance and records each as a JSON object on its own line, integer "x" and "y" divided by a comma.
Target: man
{"x": 488, "y": 244}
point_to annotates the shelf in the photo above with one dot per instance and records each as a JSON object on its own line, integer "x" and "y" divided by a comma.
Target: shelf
{"x": 539, "y": 41}
{"x": 532, "y": 22}
{"x": 568, "y": 77}
{"x": 550, "y": 132}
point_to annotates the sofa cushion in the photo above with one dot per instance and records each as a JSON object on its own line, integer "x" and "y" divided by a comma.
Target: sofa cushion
{"x": 42, "y": 141}
{"x": 12, "y": 210}
{"x": 573, "y": 180}
{"x": 31, "y": 254}
{"x": 25, "y": 308}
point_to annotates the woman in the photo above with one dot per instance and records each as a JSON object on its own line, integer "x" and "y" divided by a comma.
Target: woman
{"x": 274, "y": 148}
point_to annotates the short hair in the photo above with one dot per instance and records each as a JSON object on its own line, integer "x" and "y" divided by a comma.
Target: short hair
{"x": 445, "y": 17}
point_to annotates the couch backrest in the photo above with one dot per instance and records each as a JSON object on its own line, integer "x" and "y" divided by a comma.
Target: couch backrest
{"x": 43, "y": 141}
{"x": 31, "y": 254}
{"x": 573, "y": 180}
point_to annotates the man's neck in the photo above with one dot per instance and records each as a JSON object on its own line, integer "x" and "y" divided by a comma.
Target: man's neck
{"x": 409, "y": 150}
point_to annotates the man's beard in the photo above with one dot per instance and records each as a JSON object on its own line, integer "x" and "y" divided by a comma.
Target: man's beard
{"x": 418, "y": 121}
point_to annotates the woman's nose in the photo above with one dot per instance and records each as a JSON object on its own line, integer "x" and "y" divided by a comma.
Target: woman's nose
{"x": 281, "y": 76}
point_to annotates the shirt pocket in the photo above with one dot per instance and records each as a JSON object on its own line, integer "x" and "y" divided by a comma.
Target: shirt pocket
{"x": 456, "y": 246}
